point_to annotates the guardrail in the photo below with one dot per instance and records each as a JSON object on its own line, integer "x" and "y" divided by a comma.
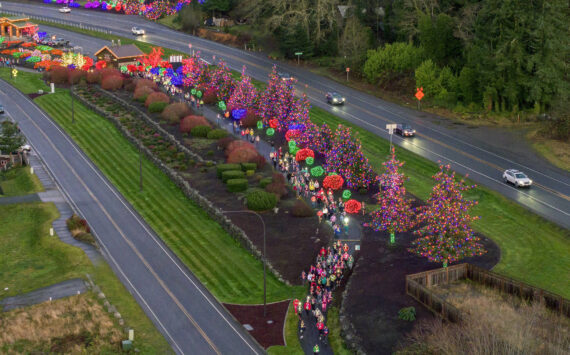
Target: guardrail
{"x": 417, "y": 286}
{"x": 79, "y": 25}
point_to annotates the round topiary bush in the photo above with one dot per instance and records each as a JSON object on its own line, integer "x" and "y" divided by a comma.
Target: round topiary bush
{"x": 302, "y": 209}
{"x": 248, "y": 166}
{"x": 141, "y": 94}
{"x": 145, "y": 83}
{"x": 242, "y": 155}
{"x": 201, "y": 131}
{"x": 220, "y": 168}
{"x": 156, "y": 97}
{"x": 76, "y": 75}
{"x": 217, "y": 133}
{"x": 189, "y": 122}
{"x": 93, "y": 77}
{"x": 264, "y": 182}
{"x": 107, "y": 72}
{"x": 112, "y": 82}
{"x": 261, "y": 201}
{"x": 157, "y": 107}
{"x": 59, "y": 75}
{"x": 174, "y": 112}
{"x": 232, "y": 174}
{"x": 236, "y": 185}
{"x": 238, "y": 144}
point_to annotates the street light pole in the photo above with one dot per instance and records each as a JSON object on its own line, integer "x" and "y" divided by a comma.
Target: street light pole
{"x": 263, "y": 257}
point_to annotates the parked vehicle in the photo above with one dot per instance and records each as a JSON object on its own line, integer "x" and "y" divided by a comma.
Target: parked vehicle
{"x": 517, "y": 178}
{"x": 405, "y": 130}
{"x": 137, "y": 31}
{"x": 65, "y": 10}
{"x": 60, "y": 42}
{"x": 334, "y": 98}
{"x": 26, "y": 148}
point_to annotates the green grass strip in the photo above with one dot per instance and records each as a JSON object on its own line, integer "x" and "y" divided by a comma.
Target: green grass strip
{"x": 19, "y": 181}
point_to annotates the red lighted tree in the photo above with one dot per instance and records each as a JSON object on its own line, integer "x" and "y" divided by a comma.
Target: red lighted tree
{"x": 446, "y": 235}
{"x": 245, "y": 95}
{"x": 394, "y": 214}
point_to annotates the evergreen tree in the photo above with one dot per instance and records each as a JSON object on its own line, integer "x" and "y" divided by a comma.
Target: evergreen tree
{"x": 245, "y": 95}
{"x": 11, "y": 139}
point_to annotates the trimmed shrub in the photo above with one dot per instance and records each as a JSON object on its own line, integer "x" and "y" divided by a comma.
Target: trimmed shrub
{"x": 112, "y": 82}
{"x": 232, "y": 174}
{"x": 236, "y": 185}
{"x": 175, "y": 111}
{"x": 210, "y": 96}
{"x": 140, "y": 83}
{"x": 156, "y": 97}
{"x": 225, "y": 167}
{"x": 129, "y": 85}
{"x": 201, "y": 131}
{"x": 107, "y": 72}
{"x": 59, "y": 75}
{"x": 189, "y": 122}
{"x": 264, "y": 182}
{"x": 217, "y": 133}
{"x": 249, "y": 172}
{"x": 93, "y": 77}
{"x": 279, "y": 190}
{"x": 261, "y": 201}
{"x": 259, "y": 160}
{"x": 157, "y": 107}
{"x": 238, "y": 144}
{"x": 302, "y": 209}
{"x": 248, "y": 166}
{"x": 76, "y": 75}
{"x": 142, "y": 93}
{"x": 278, "y": 178}
{"x": 224, "y": 142}
{"x": 242, "y": 155}
{"x": 250, "y": 120}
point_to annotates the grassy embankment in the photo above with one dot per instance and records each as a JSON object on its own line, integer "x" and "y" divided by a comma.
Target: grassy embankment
{"x": 19, "y": 181}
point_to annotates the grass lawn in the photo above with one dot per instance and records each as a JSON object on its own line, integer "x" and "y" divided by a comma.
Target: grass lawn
{"x": 291, "y": 339}
{"x": 199, "y": 241}
{"x": 170, "y": 21}
{"x": 19, "y": 181}
{"x": 26, "y": 82}
{"x": 532, "y": 249}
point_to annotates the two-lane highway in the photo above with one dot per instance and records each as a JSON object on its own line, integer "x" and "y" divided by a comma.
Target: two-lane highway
{"x": 190, "y": 318}
{"x": 482, "y": 152}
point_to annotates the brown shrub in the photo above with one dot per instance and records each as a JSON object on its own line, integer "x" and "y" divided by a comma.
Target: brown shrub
{"x": 145, "y": 82}
{"x": 156, "y": 97}
{"x": 129, "y": 84}
{"x": 210, "y": 96}
{"x": 112, "y": 82}
{"x": 280, "y": 190}
{"x": 174, "y": 112}
{"x": 302, "y": 209}
{"x": 106, "y": 72}
{"x": 189, "y": 122}
{"x": 224, "y": 142}
{"x": 238, "y": 144}
{"x": 59, "y": 75}
{"x": 250, "y": 119}
{"x": 242, "y": 155}
{"x": 93, "y": 77}
{"x": 278, "y": 178}
{"x": 76, "y": 75}
{"x": 142, "y": 93}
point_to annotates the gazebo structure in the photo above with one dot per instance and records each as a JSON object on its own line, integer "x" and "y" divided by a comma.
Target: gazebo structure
{"x": 16, "y": 26}
{"x": 117, "y": 55}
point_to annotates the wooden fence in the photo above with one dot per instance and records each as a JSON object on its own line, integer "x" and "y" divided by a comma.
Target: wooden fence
{"x": 417, "y": 286}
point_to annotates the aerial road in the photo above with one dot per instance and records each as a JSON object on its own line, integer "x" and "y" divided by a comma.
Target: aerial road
{"x": 188, "y": 316}
{"x": 482, "y": 152}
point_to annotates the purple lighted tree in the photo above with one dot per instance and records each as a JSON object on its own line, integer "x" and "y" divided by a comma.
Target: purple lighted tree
{"x": 193, "y": 69}
{"x": 245, "y": 95}
{"x": 278, "y": 101}
{"x": 447, "y": 235}
{"x": 221, "y": 80}
{"x": 394, "y": 214}
{"x": 345, "y": 157}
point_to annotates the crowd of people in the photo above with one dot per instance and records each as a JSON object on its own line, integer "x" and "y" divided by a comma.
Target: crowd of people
{"x": 322, "y": 278}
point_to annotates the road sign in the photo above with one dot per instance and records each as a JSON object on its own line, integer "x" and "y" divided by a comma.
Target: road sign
{"x": 14, "y": 72}
{"x": 190, "y": 45}
{"x": 357, "y": 247}
{"x": 298, "y": 53}
{"x": 347, "y": 70}
{"x": 391, "y": 128}
{"x": 420, "y": 93}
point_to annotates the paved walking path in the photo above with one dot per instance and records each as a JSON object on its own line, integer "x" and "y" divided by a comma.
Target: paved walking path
{"x": 60, "y": 290}
{"x": 19, "y": 199}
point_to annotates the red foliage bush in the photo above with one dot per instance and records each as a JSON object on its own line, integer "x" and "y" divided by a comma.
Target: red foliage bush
{"x": 192, "y": 121}
{"x": 156, "y": 97}
{"x": 93, "y": 77}
{"x": 112, "y": 82}
{"x": 174, "y": 112}
{"x": 142, "y": 93}
{"x": 280, "y": 190}
{"x": 76, "y": 75}
{"x": 145, "y": 82}
{"x": 303, "y": 154}
{"x": 129, "y": 84}
{"x": 278, "y": 178}
{"x": 238, "y": 144}
{"x": 59, "y": 75}
{"x": 242, "y": 155}
{"x": 224, "y": 142}
{"x": 302, "y": 209}
{"x": 210, "y": 96}
{"x": 333, "y": 182}
{"x": 250, "y": 120}
{"x": 106, "y": 72}
{"x": 352, "y": 206}
{"x": 259, "y": 160}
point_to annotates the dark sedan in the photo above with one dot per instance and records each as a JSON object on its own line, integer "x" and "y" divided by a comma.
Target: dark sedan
{"x": 334, "y": 98}
{"x": 405, "y": 130}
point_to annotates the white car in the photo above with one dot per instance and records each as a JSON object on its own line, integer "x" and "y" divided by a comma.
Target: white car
{"x": 516, "y": 178}
{"x": 137, "y": 31}
{"x": 26, "y": 148}
{"x": 65, "y": 10}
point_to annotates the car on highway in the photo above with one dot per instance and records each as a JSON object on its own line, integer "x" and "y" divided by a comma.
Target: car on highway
{"x": 334, "y": 98}
{"x": 284, "y": 76}
{"x": 65, "y": 10}
{"x": 137, "y": 31}
{"x": 517, "y": 178}
{"x": 60, "y": 42}
{"x": 405, "y": 130}
{"x": 1, "y": 109}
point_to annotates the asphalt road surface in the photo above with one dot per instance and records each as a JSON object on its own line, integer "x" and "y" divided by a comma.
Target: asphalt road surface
{"x": 483, "y": 153}
{"x": 190, "y": 318}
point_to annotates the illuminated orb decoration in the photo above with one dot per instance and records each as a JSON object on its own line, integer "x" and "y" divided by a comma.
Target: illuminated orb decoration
{"x": 292, "y": 134}
{"x": 238, "y": 114}
{"x": 346, "y": 194}
{"x": 260, "y": 124}
{"x": 303, "y": 154}
{"x": 317, "y": 171}
{"x": 222, "y": 105}
{"x": 199, "y": 94}
{"x": 193, "y": 92}
{"x": 310, "y": 161}
{"x": 291, "y": 144}
{"x": 333, "y": 182}
{"x": 273, "y": 123}
{"x": 352, "y": 206}
{"x": 270, "y": 131}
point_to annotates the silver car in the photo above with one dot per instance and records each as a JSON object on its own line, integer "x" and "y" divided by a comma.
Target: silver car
{"x": 516, "y": 178}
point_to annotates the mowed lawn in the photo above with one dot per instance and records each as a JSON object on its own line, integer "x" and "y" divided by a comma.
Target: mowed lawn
{"x": 19, "y": 181}
{"x": 228, "y": 270}
{"x": 533, "y": 249}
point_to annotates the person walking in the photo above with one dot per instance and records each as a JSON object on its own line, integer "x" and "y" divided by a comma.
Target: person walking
{"x": 302, "y": 329}
{"x": 316, "y": 349}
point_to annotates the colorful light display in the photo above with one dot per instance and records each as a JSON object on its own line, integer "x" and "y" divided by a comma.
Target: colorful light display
{"x": 333, "y": 182}
{"x": 244, "y": 95}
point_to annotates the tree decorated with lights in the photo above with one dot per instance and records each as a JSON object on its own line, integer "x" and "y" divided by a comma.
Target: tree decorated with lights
{"x": 193, "y": 69}
{"x": 277, "y": 100}
{"x": 395, "y": 214}
{"x": 221, "y": 80}
{"x": 245, "y": 95}
{"x": 345, "y": 157}
{"x": 288, "y": 106}
{"x": 323, "y": 139}
{"x": 446, "y": 235}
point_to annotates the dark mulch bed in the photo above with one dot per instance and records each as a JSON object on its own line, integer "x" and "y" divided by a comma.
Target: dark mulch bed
{"x": 377, "y": 288}
{"x": 266, "y": 334}
{"x": 35, "y": 94}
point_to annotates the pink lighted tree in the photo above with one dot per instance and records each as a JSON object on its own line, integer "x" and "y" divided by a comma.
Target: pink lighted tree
{"x": 245, "y": 95}
{"x": 446, "y": 235}
{"x": 394, "y": 214}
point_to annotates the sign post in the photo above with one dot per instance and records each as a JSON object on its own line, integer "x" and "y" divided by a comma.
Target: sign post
{"x": 391, "y": 127}
{"x": 420, "y": 95}
{"x": 347, "y": 71}
{"x": 298, "y": 54}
